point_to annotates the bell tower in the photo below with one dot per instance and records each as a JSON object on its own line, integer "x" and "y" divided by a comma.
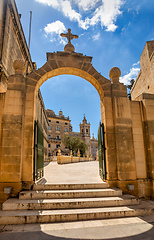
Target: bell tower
{"x": 85, "y": 133}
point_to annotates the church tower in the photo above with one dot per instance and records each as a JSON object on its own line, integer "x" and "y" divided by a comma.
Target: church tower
{"x": 85, "y": 133}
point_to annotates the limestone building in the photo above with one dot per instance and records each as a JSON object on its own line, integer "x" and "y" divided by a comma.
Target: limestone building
{"x": 145, "y": 80}
{"x": 128, "y": 125}
{"x": 14, "y": 50}
{"x": 12, "y": 42}
{"x": 59, "y": 126}
{"x": 42, "y": 119}
{"x": 94, "y": 147}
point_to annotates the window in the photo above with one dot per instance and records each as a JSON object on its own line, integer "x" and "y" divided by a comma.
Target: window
{"x": 49, "y": 136}
{"x": 66, "y": 130}
{"x": 86, "y": 130}
{"x": 49, "y": 127}
{"x": 57, "y": 121}
{"x": 57, "y": 137}
{"x": 49, "y": 154}
{"x": 82, "y": 130}
{"x": 65, "y": 123}
{"x": 49, "y": 145}
{"x": 57, "y": 146}
{"x": 57, "y": 128}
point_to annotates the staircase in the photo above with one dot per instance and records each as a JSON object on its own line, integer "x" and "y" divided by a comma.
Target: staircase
{"x": 71, "y": 202}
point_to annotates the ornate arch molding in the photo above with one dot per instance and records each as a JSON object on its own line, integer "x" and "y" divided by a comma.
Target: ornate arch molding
{"x": 70, "y": 63}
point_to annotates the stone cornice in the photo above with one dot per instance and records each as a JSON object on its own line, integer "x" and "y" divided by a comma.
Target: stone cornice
{"x": 3, "y": 29}
{"x": 19, "y": 32}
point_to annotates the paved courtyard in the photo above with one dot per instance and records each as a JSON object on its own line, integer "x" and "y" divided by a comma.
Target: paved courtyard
{"x": 82, "y": 172}
{"x": 131, "y": 228}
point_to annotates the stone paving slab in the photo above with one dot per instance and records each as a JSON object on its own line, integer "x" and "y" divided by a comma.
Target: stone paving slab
{"x": 132, "y": 228}
{"x": 82, "y": 172}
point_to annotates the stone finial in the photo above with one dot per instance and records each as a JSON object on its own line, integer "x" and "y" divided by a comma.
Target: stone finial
{"x": 78, "y": 153}
{"x": 69, "y": 47}
{"x": 71, "y": 153}
{"x": 115, "y": 74}
{"x": 19, "y": 66}
{"x": 59, "y": 152}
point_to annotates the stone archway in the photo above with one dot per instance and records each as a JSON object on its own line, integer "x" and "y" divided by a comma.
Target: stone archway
{"x": 19, "y": 116}
{"x": 79, "y": 65}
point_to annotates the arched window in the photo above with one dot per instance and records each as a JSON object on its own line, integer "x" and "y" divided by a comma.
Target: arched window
{"x": 86, "y": 130}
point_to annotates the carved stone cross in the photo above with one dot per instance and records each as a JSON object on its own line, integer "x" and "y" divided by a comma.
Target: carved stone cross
{"x": 69, "y": 35}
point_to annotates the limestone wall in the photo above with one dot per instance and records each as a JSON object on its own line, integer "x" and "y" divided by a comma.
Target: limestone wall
{"x": 1, "y": 24}
{"x": 12, "y": 40}
{"x": 145, "y": 80}
{"x": 138, "y": 139}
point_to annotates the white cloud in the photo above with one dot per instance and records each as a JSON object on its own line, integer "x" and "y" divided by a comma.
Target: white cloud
{"x": 52, "y": 3}
{"x": 105, "y": 12}
{"x": 96, "y": 37}
{"x": 136, "y": 64}
{"x": 69, "y": 12}
{"x": 54, "y": 29}
{"x": 86, "y": 4}
{"x": 131, "y": 75}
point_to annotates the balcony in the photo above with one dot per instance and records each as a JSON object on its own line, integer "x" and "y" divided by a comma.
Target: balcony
{"x": 55, "y": 140}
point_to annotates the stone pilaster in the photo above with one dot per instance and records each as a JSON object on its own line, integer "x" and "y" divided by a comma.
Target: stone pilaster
{"x": 12, "y": 129}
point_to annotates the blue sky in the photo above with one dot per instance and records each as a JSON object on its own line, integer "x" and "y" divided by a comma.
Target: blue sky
{"x": 113, "y": 32}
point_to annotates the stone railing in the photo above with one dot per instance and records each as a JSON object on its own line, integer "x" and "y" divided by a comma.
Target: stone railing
{"x": 72, "y": 159}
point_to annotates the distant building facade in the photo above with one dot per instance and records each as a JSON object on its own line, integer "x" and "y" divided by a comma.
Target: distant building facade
{"x": 59, "y": 126}
{"x": 42, "y": 119}
{"x": 94, "y": 147}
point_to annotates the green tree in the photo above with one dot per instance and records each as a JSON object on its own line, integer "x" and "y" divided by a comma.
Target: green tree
{"x": 83, "y": 147}
{"x": 66, "y": 141}
{"x": 75, "y": 143}
{"x": 130, "y": 87}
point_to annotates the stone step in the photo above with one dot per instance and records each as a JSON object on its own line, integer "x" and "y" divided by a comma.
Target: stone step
{"x": 75, "y": 203}
{"x": 83, "y": 193}
{"x": 70, "y": 186}
{"x": 51, "y": 216}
